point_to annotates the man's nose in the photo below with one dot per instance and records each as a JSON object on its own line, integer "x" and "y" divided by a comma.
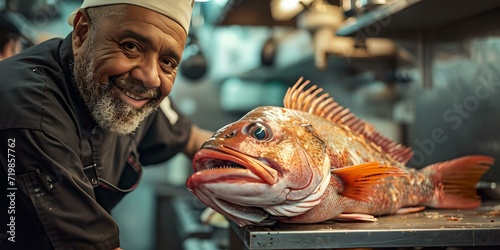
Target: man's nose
{"x": 147, "y": 72}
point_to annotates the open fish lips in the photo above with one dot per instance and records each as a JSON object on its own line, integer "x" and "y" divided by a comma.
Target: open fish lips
{"x": 267, "y": 165}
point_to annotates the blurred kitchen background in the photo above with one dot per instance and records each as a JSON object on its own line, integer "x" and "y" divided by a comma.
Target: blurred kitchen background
{"x": 426, "y": 73}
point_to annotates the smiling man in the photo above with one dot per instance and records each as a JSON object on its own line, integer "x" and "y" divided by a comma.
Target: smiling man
{"x": 80, "y": 115}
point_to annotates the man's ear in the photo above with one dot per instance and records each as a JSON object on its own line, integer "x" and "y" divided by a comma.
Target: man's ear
{"x": 81, "y": 27}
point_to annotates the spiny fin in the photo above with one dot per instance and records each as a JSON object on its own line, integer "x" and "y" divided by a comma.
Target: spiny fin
{"x": 313, "y": 101}
{"x": 360, "y": 180}
{"x": 458, "y": 179}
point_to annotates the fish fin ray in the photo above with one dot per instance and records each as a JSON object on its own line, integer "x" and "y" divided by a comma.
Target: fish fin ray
{"x": 409, "y": 210}
{"x": 457, "y": 180}
{"x": 314, "y": 101}
{"x": 356, "y": 217}
{"x": 360, "y": 180}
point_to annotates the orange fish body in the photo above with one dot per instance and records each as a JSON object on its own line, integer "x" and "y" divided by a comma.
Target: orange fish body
{"x": 312, "y": 160}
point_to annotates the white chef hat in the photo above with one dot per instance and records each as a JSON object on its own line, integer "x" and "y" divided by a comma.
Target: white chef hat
{"x": 178, "y": 10}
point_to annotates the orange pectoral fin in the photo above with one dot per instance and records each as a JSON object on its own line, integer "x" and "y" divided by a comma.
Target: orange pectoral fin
{"x": 360, "y": 180}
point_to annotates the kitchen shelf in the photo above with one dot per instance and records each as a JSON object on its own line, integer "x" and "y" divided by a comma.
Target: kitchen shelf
{"x": 306, "y": 66}
{"x": 405, "y": 18}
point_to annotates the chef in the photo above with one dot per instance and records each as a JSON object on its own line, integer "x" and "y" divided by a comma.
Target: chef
{"x": 79, "y": 116}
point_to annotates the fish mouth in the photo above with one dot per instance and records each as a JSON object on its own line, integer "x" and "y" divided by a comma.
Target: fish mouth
{"x": 223, "y": 161}
{"x": 232, "y": 183}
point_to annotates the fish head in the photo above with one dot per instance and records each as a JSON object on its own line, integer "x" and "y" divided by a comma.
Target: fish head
{"x": 268, "y": 164}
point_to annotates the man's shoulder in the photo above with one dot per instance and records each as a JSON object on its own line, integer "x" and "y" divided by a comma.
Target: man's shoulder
{"x": 30, "y": 91}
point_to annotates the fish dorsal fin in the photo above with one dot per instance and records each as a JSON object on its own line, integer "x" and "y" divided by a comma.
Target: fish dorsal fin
{"x": 314, "y": 101}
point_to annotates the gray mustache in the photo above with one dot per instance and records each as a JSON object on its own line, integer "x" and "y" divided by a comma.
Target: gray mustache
{"x": 136, "y": 87}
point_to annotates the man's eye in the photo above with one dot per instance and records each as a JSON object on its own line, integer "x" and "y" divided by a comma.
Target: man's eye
{"x": 129, "y": 46}
{"x": 168, "y": 64}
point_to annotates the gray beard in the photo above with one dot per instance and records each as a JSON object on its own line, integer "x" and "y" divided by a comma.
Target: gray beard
{"x": 107, "y": 109}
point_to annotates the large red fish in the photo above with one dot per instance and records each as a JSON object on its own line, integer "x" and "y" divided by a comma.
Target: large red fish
{"x": 312, "y": 160}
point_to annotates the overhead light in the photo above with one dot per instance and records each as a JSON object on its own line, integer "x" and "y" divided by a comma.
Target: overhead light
{"x": 284, "y": 10}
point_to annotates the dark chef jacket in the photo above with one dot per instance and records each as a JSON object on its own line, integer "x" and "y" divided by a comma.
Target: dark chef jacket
{"x": 66, "y": 172}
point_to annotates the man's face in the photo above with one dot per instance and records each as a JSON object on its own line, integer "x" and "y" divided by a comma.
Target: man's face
{"x": 127, "y": 65}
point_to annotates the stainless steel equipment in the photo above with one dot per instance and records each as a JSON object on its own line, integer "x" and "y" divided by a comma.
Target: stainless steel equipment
{"x": 429, "y": 228}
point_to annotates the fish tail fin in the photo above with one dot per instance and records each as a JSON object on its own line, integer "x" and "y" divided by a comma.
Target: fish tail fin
{"x": 456, "y": 181}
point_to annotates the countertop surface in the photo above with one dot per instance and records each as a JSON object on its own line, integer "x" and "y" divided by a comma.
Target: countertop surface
{"x": 431, "y": 227}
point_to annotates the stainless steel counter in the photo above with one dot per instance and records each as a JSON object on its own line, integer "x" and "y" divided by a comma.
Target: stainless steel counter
{"x": 479, "y": 227}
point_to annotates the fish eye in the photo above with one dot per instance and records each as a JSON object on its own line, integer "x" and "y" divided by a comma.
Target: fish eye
{"x": 258, "y": 131}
